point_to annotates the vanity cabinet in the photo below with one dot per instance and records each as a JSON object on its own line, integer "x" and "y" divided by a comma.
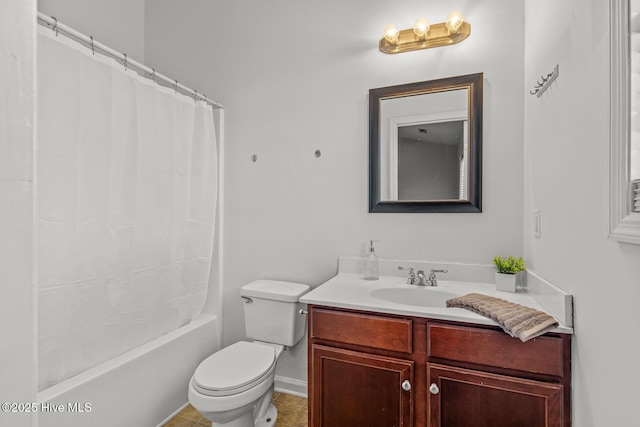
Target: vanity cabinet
{"x": 371, "y": 369}
{"x": 468, "y": 398}
{"x": 360, "y": 389}
{"x": 360, "y": 369}
{"x": 480, "y": 377}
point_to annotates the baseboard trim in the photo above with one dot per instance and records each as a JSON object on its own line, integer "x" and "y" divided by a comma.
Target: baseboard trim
{"x": 170, "y": 417}
{"x": 291, "y": 386}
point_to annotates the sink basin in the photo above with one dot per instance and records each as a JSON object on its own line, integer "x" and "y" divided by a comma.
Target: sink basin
{"x": 423, "y": 296}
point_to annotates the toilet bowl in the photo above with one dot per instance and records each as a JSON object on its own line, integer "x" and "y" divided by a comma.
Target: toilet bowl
{"x": 234, "y": 386}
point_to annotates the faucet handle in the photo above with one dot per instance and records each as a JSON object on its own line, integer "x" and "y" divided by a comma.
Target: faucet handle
{"x": 412, "y": 275}
{"x": 433, "y": 280}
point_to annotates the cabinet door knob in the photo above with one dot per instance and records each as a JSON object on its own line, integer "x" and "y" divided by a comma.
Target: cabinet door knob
{"x": 434, "y": 389}
{"x": 406, "y": 385}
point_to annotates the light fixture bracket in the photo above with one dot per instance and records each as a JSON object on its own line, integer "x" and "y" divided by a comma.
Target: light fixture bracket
{"x": 437, "y": 36}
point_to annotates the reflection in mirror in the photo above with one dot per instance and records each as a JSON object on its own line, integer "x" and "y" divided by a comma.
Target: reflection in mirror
{"x": 624, "y": 217}
{"x": 427, "y": 159}
{"x": 431, "y": 153}
{"x": 425, "y": 146}
{"x": 634, "y": 66}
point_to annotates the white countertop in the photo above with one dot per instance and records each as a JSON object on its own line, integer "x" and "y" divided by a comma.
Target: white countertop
{"x": 350, "y": 290}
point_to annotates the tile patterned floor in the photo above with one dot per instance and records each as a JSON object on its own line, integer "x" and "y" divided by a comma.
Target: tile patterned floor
{"x": 292, "y": 412}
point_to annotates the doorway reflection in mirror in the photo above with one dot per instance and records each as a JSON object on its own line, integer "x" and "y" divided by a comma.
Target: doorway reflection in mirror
{"x": 431, "y": 161}
{"x": 427, "y": 152}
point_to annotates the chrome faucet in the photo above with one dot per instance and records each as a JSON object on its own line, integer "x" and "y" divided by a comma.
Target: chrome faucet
{"x": 411, "y": 279}
{"x": 433, "y": 280}
{"x": 420, "y": 279}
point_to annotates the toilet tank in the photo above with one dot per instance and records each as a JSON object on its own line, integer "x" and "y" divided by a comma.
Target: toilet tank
{"x": 272, "y": 311}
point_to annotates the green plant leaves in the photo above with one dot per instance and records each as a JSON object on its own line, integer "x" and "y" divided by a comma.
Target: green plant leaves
{"x": 509, "y": 265}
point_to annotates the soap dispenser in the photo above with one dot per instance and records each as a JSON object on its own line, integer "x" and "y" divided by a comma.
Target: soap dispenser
{"x": 371, "y": 271}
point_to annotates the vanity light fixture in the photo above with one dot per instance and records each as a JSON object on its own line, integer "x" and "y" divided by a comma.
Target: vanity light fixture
{"x": 424, "y": 35}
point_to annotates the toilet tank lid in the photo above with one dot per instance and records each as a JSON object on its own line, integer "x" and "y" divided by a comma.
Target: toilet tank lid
{"x": 274, "y": 290}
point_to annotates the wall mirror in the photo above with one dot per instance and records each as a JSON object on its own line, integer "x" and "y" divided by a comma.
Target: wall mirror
{"x": 425, "y": 146}
{"x": 624, "y": 218}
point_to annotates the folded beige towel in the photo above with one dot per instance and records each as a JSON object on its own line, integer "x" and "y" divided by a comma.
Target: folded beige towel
{"x": 515, "y": 319}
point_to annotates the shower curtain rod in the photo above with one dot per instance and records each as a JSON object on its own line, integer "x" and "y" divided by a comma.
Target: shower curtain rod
{"x": 52, "y": 22}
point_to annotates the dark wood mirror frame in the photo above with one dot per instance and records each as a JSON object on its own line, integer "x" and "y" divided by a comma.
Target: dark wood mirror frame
{"x": 472, "y": 82}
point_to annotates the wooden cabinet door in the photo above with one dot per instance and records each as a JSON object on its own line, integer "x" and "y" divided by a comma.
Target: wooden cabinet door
{"x": 354, "y": 389}
{"x": 467, "y": 398}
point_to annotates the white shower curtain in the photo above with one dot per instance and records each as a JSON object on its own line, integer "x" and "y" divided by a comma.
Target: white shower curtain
{"x": 126, "y": 199}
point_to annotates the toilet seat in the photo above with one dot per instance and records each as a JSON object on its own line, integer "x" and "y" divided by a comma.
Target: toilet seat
{"x": 235, "y": 369}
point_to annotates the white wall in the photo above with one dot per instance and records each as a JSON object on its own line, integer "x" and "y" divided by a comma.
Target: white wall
{"x": 290, "y": 214}
{"x": 566, "y": 177}
{"x": 17, "y": 310}
{"x": 118, "y": 24}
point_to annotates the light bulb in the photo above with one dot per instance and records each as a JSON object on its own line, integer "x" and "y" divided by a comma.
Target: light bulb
{"x": 421, "y": 27}
{"x": 454, "y": 21}
{"x": 391, "y": 33}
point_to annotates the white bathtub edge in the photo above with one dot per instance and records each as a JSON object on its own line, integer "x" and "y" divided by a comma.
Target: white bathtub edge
{"x": 141, "y": 387}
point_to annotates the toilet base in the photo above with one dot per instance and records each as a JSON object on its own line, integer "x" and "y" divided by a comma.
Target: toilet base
{"x": 246, "y": 420}
{"x": 269, "y": 419}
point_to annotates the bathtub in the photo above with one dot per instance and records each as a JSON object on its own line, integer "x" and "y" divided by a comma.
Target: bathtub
{"x": 143, "y": 387}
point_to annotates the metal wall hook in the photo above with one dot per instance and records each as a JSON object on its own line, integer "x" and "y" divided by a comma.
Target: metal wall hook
{"x": 126, "y": 61}
{"x": 153, "y": 75}
{"x": 55, "y": 25}
{"x": 175, "y": 86}
{"x": 540, "y": 87}
{"x": 93, "y": 46}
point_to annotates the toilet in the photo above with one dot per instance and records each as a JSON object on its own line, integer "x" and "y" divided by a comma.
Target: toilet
{"x": 233, "y": 387}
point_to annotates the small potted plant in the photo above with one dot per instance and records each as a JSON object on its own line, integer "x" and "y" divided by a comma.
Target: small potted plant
{"x": 509, "y": 274}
